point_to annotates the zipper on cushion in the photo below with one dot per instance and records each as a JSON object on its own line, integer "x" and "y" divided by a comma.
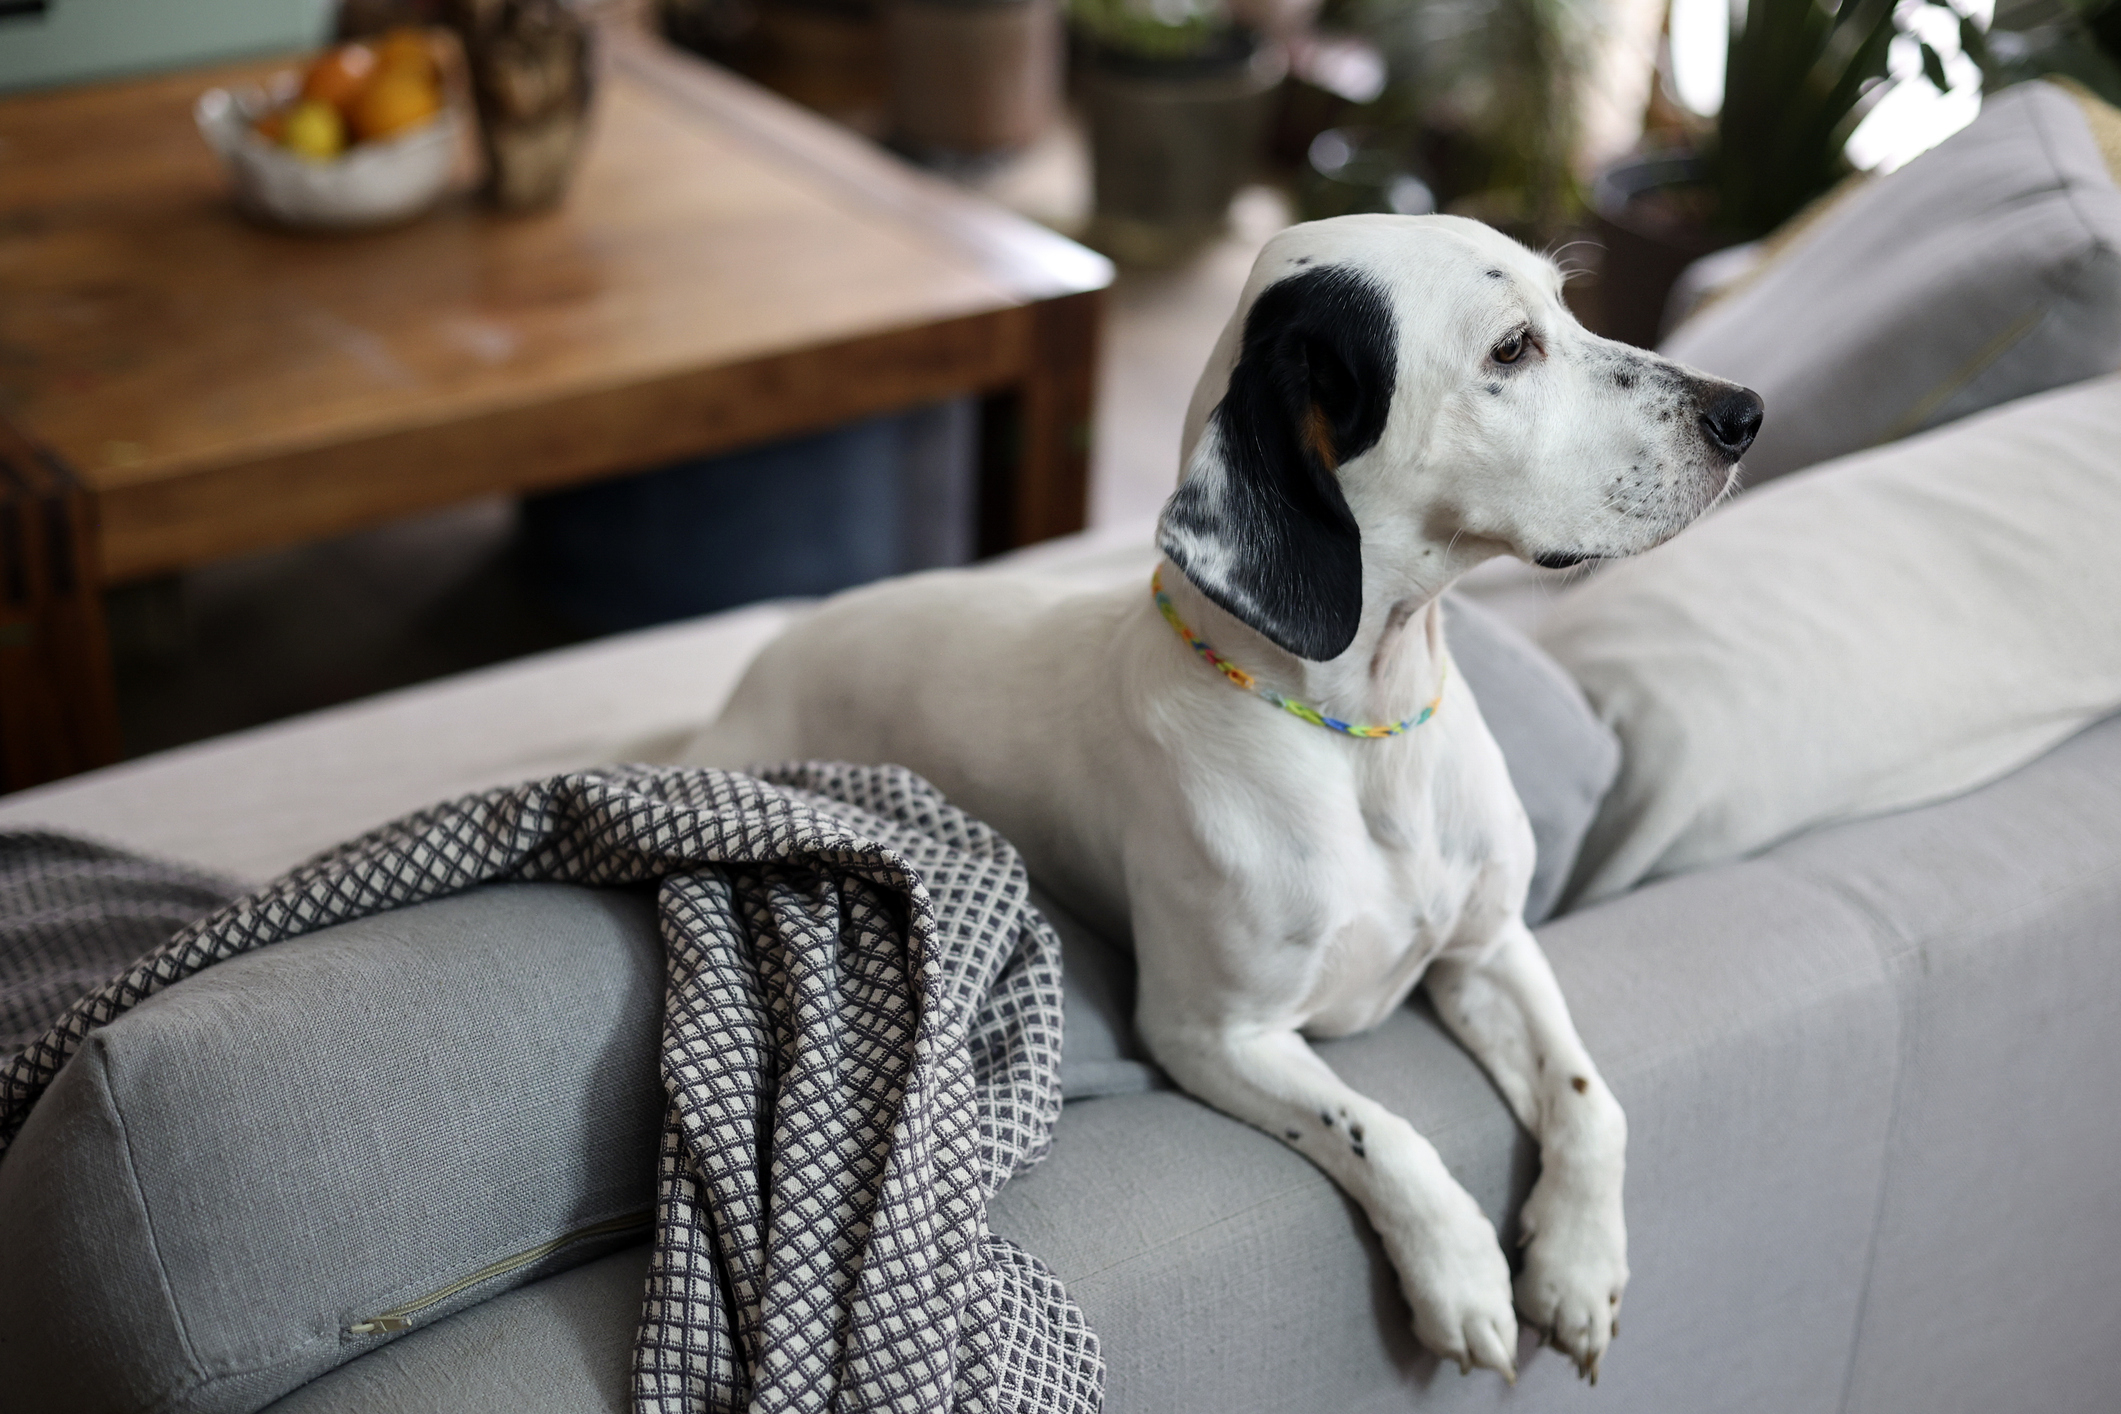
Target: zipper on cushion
{"x": 399, "y": 1318}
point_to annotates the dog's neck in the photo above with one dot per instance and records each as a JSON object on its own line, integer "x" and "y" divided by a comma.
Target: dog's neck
{"x": 1396, "y": 664}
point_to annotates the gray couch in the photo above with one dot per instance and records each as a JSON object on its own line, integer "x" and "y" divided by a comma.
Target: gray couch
{"x": 1875, "y": 1162}
{"x": 1875, "y": 1117}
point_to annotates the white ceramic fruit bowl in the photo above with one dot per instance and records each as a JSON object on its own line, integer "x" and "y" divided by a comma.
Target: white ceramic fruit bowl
{"x": 370, "y": 184}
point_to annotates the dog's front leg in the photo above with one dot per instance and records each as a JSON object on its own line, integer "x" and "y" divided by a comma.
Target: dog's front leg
{"x": 1450, "y": 1264}
{"x": 1507, "y": 1009}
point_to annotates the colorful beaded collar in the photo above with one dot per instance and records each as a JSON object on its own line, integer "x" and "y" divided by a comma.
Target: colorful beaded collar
{"x": 1251, "y": 684}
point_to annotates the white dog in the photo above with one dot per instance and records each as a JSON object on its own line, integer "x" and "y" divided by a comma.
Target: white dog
{"x": 1395, "y": 400}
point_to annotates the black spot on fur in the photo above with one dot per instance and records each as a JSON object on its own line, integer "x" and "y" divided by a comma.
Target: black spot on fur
{"x": 1495, "y": 388}
{"x": 1355, "y": 1132}
{"x": 1580, "y": 1084}
{"x": 1325, "y": 1119}
{"x": 1624, "y": 379}
{"x": 1494, "y": 274}
{"x": 1359, "y": 1152}
{"x": 1293, "y": 1134}
{"x": 1309, "y": 392}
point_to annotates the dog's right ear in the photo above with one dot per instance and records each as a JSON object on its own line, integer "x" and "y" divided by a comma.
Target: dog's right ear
{"x": 1259, "y": 523}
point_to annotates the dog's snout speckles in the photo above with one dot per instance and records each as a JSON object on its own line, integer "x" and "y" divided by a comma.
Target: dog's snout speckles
{"x": 1579, "y": 1084}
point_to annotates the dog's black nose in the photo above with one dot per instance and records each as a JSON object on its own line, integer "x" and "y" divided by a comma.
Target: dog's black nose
{"x": 1732, "y": 420}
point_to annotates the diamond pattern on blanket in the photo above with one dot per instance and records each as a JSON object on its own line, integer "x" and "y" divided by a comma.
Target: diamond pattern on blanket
{"x": 862, "y": 1039}
{"x": 74, "y": 913}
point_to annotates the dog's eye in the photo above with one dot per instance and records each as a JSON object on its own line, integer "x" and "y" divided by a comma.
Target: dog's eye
{"x": 1513, "y": 348}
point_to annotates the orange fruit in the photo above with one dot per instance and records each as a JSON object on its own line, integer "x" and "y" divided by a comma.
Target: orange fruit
{"x": 397, "y": 102}
{"x": 314, "y": 130}
{"x": 339, "y": 75}
{"x": 409, "y": 50}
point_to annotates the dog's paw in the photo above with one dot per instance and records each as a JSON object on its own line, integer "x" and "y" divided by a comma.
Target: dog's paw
{"x": 1575, "y": 1272}
{"x": 1458, "y": 1283}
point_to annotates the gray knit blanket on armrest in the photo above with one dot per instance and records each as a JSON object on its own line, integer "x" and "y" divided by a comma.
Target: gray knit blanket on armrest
{"x": 814, "y": 911}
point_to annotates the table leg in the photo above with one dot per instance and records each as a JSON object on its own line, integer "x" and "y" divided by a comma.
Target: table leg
{"x": 58, "y": 709}
{"x": 1035, "y": 435}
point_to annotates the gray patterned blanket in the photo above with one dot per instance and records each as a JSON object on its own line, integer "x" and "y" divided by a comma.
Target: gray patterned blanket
{"x": 862, "y": 1025}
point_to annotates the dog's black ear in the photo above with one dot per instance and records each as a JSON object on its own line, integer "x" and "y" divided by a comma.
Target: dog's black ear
{"x": 1260, "y": 524}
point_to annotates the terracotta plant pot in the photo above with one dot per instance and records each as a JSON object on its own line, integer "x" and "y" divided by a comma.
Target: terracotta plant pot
{"x": 970, "y": 77}
{"x": 1654, "y": 219}
{"x": 1171, "y": 141}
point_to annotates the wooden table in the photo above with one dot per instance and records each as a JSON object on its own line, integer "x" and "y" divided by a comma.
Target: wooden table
{"x": 727, "y": 269}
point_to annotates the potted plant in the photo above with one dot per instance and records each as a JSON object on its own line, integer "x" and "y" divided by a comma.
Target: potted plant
{"x": 1176, "y": 93}
{"x": 971, "y": 78}
{"x": 1799, "y": 76}
{"x": 1482, "y": 102}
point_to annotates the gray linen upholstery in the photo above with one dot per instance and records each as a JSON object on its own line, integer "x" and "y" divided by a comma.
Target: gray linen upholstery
{"x": 1987, "y": 269}
{"x": 562, "y": 1345}
{"x": 1998, "y": 1241}
{"x": 316, "y": 1132}
{"x": 1874, "y": 1164}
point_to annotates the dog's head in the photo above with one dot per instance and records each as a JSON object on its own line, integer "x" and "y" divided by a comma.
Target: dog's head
{"x": 1399, "y": 396}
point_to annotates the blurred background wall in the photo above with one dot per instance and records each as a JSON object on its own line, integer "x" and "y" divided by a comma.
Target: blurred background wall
{"x": 46, "y": 42}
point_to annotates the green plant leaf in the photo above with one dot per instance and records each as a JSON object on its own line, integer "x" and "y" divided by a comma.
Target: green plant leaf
{"x": 1972, "y": 42}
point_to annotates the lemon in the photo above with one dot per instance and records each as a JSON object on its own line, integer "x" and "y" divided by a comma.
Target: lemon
{"x": 315, "y": 130}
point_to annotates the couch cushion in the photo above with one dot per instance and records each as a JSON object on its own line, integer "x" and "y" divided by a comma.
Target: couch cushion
{"x": 1987, "y": 269}
{"x": 1892, "y": 628}
{"x": 279, "y": 1163}
{"x": 1999, "y": 914}
{"x": 563, "y": 1345}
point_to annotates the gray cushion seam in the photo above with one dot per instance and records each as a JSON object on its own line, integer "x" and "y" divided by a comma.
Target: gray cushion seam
{"x": 154, "y": 1247}
{"x": 1895, "y": 943}
{"x": 1882, "y": 933}
{"x": 2071, "y": 190}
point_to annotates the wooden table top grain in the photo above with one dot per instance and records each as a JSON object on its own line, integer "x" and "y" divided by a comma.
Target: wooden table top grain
{"x": 179, "y": 385}
{"x": 725, "y": 269}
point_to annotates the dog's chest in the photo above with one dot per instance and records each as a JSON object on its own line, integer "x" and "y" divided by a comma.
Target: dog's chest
{"x": 1399, "y": 881}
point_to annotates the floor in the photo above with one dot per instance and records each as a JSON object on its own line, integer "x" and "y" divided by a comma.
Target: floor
{"x": 253, "y": 640}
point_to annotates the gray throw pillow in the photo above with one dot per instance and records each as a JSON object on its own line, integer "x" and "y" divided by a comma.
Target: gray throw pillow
{"x": 1562, "y": 759}
{"x": 281, "y": 1163}
{"x": 1985, "y": 270}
